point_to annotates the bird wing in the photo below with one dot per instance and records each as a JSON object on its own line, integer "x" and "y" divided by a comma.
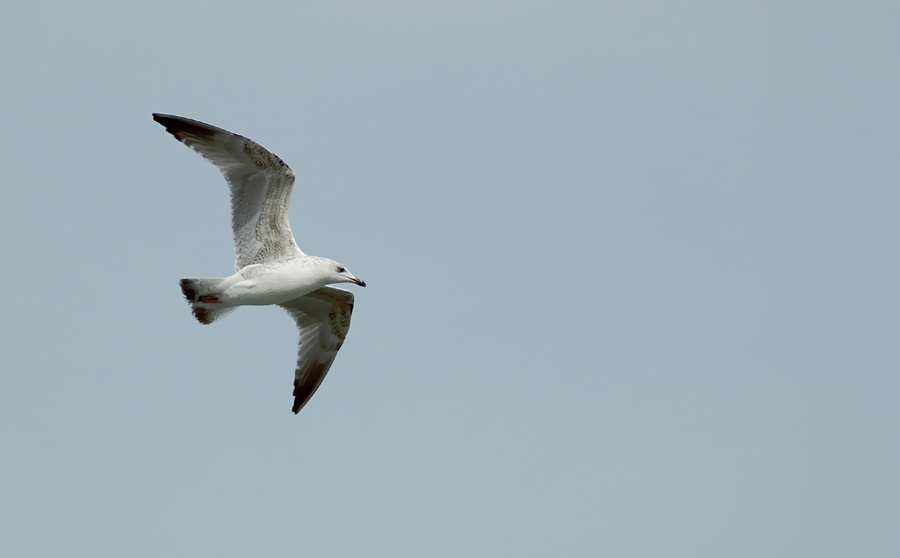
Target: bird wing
{"x": 323, "y": 318}
{"x": 260, "y": 185}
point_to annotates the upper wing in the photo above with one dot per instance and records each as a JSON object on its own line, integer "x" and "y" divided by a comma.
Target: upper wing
{"x": 323, "y": 317}
{"x": 260, "y": 184}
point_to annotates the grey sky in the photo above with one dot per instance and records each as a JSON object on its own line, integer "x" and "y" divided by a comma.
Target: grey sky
{"x": 632, "y": 280}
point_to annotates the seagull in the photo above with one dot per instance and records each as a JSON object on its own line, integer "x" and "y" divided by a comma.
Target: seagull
{"x": 270, "y": 267}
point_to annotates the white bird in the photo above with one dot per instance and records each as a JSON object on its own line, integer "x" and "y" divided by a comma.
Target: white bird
{"x": 271, "y": 269}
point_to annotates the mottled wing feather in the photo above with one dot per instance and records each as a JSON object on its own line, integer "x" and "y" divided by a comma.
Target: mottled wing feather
{"x": 323, "y": 318}
{"x": 260, "y": 184}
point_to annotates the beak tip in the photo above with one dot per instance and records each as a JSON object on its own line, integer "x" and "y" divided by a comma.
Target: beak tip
{"x": 361, "y": 283}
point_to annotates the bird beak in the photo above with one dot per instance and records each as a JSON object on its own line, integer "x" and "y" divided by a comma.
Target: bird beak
{"x": 359, "y": 282}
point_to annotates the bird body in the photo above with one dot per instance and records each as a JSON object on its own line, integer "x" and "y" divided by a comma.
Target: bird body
{"x": 273, "y": 282}
{"x": 271, "y": 268}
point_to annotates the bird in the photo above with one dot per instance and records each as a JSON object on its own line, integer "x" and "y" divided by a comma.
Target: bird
{"x": 270, "y": 267}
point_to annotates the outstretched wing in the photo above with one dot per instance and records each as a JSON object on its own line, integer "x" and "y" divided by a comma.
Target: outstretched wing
{"x": 323, "y": 318}
{"x": 260, "y": 185}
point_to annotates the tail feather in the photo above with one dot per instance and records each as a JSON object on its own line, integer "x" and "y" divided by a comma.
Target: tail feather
{"x": 202, "y": 295}
{"x": 194, "y": 288}
{"x": 206, "y": 314}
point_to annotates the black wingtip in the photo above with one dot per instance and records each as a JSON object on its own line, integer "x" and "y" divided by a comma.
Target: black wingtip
{"x": 300, "y": 397}
{"x": 163, "y": 118}
{"x": 306, "y": 386}
{"x": 180, "y": 127}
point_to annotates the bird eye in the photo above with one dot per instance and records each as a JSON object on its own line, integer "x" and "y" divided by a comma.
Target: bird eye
{"x": 341, "y": 269}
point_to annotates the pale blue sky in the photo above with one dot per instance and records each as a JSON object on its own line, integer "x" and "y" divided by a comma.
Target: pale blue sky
{"x": 632, "y": 280}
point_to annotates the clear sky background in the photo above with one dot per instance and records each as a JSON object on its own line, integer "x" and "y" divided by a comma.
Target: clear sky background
{"x": 632, "y": 280}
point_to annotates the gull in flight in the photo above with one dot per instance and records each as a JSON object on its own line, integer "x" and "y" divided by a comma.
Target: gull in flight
{"x": 271, "y": 269}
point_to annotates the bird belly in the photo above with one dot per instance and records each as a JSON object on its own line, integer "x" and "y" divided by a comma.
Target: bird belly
{"x": 266, "y": 288}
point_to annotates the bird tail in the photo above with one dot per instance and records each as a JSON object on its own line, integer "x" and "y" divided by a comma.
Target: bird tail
{"x": 203, "y": 296}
